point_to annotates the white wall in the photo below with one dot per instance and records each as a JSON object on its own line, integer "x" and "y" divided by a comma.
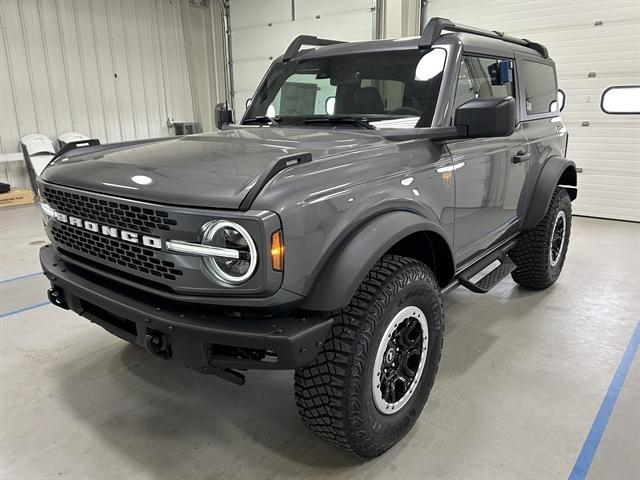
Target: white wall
{"x": 110, "y": 69}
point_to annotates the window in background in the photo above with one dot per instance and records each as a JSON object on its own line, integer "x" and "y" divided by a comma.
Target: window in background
{"x": 622, "y": 99}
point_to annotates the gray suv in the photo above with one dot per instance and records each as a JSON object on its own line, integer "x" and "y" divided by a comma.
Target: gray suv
{"x": 321, "y": 233}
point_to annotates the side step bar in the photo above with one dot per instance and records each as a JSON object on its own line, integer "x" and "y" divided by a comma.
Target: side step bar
{"x": 492, "y": 278}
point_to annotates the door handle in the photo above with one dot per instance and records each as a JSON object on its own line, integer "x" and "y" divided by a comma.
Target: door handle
{"x": 521, "y": 157}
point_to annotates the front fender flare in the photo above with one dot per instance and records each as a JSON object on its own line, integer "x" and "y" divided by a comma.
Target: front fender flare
{"x": 554, "y": 169}
{"x": 341, "y": 276}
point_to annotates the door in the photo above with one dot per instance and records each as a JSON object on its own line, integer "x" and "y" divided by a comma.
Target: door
{"x": 489, "y": 185}
{"x": 539, "y": 115}
{"x": 594, "y": 45}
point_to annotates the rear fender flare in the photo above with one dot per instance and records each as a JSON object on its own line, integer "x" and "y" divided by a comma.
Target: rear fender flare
{"x": 555, "y": 169}
{"x": 339, "y": 279}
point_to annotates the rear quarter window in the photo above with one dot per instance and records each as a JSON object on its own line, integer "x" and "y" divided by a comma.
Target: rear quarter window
{"x": 540, "y": 89}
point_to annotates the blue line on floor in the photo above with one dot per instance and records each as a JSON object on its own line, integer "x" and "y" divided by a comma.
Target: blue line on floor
{"x": 23, "y": 309}
{"x": 592, "y": 441}
{"x": 20, "y": 277}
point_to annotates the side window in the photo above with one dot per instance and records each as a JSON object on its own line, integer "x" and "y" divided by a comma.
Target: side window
{"x": 540, "y": 90}
{"x": 302, "y": 94}
{"x": 481, "y": 77}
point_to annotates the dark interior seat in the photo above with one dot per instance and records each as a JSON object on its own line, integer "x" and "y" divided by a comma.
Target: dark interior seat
{"x": 367, "y": 100}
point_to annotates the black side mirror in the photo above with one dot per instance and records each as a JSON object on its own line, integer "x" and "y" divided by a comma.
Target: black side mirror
{"x": 222, "y": 115}
{"x": 487, "y": 117}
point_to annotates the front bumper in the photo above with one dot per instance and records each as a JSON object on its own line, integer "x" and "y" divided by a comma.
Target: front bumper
{"x": 200, "y": 338}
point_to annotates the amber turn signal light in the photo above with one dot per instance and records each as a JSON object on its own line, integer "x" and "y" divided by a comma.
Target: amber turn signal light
{"x": 277, "y": 251}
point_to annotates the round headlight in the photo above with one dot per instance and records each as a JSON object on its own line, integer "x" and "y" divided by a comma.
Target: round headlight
{"x": 234, "y": 237}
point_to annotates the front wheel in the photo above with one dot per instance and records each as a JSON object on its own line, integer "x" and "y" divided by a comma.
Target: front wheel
{"x": 540, "y": 252}
{"x": 369, "y": 383}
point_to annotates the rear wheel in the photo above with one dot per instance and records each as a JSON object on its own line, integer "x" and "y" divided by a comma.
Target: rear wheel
{"x": 540, "y": 252}
{"x": 368, "y": 385}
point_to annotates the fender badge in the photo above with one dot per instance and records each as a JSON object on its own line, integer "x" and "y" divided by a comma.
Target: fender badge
{"x": 446, "y": 178}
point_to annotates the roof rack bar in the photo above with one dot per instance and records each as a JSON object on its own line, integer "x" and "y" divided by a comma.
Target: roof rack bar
{"x": 301, "y": 40}
{"x": 436, "y": 25}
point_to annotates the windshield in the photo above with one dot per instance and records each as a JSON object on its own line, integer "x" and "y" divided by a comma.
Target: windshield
{"x": 396, "y": 87}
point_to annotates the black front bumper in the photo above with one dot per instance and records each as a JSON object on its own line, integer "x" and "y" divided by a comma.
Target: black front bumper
{"x": 201, "y": 339}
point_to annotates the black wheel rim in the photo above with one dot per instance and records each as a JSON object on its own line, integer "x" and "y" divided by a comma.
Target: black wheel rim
{"x": 400, "y": 360}
{"x": 557, "y": 238}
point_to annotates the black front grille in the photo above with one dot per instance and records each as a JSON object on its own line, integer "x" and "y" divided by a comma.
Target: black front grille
{"x": 108, "y": 212}
{"x": 118, "y": 252}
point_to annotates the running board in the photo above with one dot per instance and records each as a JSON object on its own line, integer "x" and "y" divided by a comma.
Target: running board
{"x": 492, "y": 278}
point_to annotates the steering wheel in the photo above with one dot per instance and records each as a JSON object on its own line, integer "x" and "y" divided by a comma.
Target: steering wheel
{"x": 405, "y": 111}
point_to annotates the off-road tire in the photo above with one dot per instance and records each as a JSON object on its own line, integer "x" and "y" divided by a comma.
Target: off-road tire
{"x": 532, "y": 252}
{"x": 334, "y": 394}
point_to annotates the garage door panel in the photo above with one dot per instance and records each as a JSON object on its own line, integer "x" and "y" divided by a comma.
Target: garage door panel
{"x": 594, "y": 86}
{"x": 604, "y": 133}
{"x": 253, "y": 13}
{"x": 628, "y": 214}
{"x": 251, "y": 44}
{"x": 572, "y": 37}
{"x": 247, "y": 74}
{"x": 606, "y": 162}
{"x": 539, "y": 16}
{"x": 611, "y": 130}
{"x": 361, "y": 30}
{"x": 255, "y": 43}
{"x": 600, "y": 188}
{"x": 308, "y": 8}
{"x": 600, "y": 177}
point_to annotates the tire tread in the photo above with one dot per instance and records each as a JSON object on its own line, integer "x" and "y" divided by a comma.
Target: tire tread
{"x": 325, "y": 390}
{"x": 531, "y": 252}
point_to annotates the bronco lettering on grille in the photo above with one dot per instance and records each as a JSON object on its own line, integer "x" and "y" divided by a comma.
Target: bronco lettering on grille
{"x": 131, "y": 237}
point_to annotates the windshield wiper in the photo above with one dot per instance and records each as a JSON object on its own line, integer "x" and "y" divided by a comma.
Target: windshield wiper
{"x": 361, "y": 122}
{"x": 263, "y": 119}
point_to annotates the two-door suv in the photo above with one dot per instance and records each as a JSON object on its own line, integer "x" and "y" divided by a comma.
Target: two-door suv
{"x": 364, "y": 182}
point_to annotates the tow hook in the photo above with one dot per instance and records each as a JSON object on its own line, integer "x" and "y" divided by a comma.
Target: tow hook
{"x": 56, "y": 296}
{"x": 157, "y": 343}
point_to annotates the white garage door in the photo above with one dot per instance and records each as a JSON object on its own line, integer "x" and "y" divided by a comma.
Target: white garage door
{"x": 595, "y": 44}
{"x": 262, "y": 30}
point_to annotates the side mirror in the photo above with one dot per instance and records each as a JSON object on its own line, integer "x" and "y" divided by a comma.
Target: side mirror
{"x": 222, "y": 115}
{"x": 487, "y": 117}
{"x": 247, "y": 104}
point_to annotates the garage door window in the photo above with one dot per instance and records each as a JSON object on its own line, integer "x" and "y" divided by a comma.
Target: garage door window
{"x": 621, "y": 100}
{"x": 540, "y": 90}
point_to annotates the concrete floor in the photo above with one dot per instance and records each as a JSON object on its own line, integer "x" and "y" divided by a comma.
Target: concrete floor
{"x": 522, "y": 377}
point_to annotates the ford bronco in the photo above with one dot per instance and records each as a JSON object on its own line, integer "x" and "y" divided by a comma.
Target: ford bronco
{"x": 320, "y": 233}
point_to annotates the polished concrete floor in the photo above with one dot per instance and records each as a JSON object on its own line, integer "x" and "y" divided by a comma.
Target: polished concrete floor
{"x": 522, "y": 377}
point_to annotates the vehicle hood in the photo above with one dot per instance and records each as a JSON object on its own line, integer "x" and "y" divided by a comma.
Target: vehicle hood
{"x": 214, "y": 170}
